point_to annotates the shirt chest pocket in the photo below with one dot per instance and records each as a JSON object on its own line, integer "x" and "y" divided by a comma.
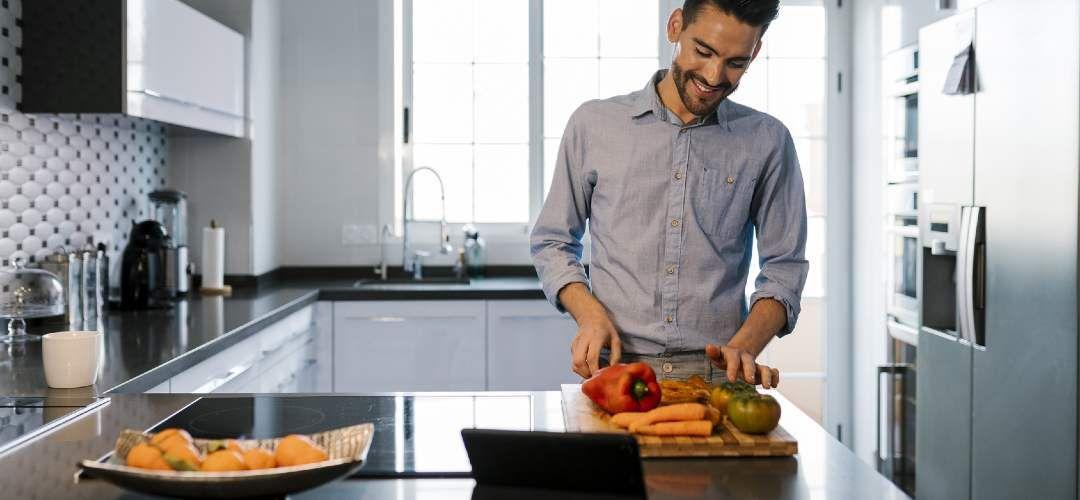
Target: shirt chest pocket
{"x": 722, "y": 202}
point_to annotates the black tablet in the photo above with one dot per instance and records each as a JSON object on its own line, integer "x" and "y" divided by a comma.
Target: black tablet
{"x": 586, "y": 462}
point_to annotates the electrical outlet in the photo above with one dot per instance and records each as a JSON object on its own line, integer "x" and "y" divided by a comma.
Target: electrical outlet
{"x": 358, "y": 234}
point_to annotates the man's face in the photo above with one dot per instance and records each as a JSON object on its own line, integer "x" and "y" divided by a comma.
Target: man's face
{"x": 711, "y": 55}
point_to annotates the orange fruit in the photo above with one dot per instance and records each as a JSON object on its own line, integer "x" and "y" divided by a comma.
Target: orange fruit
{"x": 160, "y": 438}
{"x": 145, "y": 456}
{"x": 258, "y": 458}
{"x": 298, "y": 450}
{"x": 183, "y": 457}
{"x": 222, "y": 460}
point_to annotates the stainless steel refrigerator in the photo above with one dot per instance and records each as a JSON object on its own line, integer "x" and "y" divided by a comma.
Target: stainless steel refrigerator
{"x": 999, "y": 117}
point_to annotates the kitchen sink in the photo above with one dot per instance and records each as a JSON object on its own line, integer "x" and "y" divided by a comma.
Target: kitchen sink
{"x": 404, "y": 282}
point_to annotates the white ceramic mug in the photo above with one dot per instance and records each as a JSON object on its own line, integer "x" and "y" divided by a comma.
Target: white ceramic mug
{"x": 71, "y": 358}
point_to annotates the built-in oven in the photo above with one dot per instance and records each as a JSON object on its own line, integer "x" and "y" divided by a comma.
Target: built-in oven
{"x": 897, "y": 376}
{"x": 902, "y": 258}
{"x": 901, "y": 110}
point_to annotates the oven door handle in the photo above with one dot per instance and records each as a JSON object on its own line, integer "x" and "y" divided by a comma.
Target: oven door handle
{"x": 891, "y": 369}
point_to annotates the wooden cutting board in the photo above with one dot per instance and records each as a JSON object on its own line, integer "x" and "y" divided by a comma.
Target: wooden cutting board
{"x": 580, "y": 414}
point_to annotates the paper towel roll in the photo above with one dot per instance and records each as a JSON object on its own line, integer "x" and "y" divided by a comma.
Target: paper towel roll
{"x": 213, "y": 257}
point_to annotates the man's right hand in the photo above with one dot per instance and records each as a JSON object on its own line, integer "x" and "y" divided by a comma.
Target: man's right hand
{"x": 592, "y": 336}
{"x": 595, "y": 330}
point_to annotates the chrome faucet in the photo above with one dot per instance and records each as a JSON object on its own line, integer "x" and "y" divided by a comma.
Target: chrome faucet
{"x": 413, "y": 262}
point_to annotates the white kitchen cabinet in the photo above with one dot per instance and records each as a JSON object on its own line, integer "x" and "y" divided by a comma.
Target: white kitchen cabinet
{"x": 382, "y": 346}
{"x": 321, "y": 372}
{"x": 528, "y": 346}
{"x": 267, "y": 361}
{"x": 156, "y": 59}
{"x": 184, "y": 67}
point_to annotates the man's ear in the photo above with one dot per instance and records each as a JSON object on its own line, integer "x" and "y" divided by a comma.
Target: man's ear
{"x": 757, "y": 48}
{"x": 675, "y": 25}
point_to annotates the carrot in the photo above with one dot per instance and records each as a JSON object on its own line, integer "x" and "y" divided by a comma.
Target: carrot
{"x": 682, "y": 411}
{"x": 626, "y": 418}
{"x": 682, "y": 428}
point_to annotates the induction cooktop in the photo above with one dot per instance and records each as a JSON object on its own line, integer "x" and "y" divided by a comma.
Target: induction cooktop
{"x": 415, "y": 436}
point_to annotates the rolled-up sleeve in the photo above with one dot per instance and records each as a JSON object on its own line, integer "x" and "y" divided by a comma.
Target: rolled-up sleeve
{"x": 556, "y": 239}
{"x": 779, "y": 214}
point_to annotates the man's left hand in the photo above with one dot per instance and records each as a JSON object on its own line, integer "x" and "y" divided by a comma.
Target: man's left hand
{"x": 740, "y": 365}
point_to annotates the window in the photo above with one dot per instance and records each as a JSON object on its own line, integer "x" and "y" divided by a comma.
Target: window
{"x": 788, "y": 81}
{"x": 473, "y": 117}
{"x": 470, "y": 102}
{"x": 588, "y": 56}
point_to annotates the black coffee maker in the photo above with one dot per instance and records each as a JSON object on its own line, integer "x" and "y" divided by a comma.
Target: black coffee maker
{"x": 142, "y": 278}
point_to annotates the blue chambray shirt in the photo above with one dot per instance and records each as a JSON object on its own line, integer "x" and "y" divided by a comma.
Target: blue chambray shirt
{"x": 671, "y": 210}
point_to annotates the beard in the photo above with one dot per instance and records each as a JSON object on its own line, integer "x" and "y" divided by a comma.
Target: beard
{"x": 693, "y": 101}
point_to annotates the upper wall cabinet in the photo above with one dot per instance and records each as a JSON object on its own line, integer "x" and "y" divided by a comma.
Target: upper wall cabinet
{"x": 156, "y": 59}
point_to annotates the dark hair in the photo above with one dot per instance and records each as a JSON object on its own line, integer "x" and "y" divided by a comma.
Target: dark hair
{"x": 753, "y": 12}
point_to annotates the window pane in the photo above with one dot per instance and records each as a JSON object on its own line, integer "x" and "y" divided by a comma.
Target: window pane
{"x": 502, "y": 183}
{"x": 797, "y": 94}
{"x": 567, "y": 84}
{"x": 622, "y": 76}
{"x": 571, "y": 28}
{"x": 442, "y": 31}
{"x": 502, "y": 33}
{"x": 753, "y": 88}
{"x": 443, "y": 102}
{"x": 812, "y": 163}
{"x": 454, "y": 165}
{"x": 799, "y": 31}
{"x": 502, "y": 103}
{"x": 628, "y": 28}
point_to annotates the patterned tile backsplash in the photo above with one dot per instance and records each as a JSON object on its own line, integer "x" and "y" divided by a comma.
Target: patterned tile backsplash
{"x": 69, "y": 180}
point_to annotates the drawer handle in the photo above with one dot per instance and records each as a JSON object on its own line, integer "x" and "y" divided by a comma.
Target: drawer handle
{"x": 533, "y": 317}
{"x": 402, "y": 319}
{"x": 222, "y": 379}
{"x": 269, "y": 352}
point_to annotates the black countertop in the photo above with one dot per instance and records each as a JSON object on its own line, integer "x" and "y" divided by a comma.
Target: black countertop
{"x": 824, "y": 468}
{"x": 145, "y": 348}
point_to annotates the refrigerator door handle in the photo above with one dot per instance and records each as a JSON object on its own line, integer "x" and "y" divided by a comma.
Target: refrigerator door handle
{"x": 971, "y": 233}
{"x": 963, "y": 276}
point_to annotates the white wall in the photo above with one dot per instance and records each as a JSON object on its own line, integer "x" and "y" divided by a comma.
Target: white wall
{"x": 330, "y": 128}
{"x": 868, "y": 285}
{"x": 264, "y": 131}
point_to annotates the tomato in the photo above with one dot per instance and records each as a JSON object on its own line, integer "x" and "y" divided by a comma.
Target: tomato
{"x": 721, "y": 394}
{"x": 754, "y": 414}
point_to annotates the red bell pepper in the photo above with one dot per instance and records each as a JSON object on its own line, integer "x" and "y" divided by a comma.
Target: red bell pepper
{"x": 624, "y": 387}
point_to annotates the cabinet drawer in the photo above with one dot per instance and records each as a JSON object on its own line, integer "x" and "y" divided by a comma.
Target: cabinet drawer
{"x": 528, "y": 346}
{"x": 219, "y": 369}
{"x": 384, "y": 346}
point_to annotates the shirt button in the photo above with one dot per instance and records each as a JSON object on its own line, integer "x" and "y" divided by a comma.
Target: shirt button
{"x": 670, "y": 318}
{"x": 668, "y": 368}
{"x": 678, "y": 176}
{"x": 730, "y": 180}
{"x": 671, "y": 270}
{"x": 674, "y": 222}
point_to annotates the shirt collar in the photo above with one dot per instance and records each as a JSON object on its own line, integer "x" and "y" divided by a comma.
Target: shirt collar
{"x": 648, "y": 99}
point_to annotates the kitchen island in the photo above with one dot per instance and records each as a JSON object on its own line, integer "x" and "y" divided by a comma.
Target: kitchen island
{"x": 419, "y": 433}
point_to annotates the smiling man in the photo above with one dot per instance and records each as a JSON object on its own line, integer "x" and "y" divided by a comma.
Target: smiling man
{"x": 674, "y": 180}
